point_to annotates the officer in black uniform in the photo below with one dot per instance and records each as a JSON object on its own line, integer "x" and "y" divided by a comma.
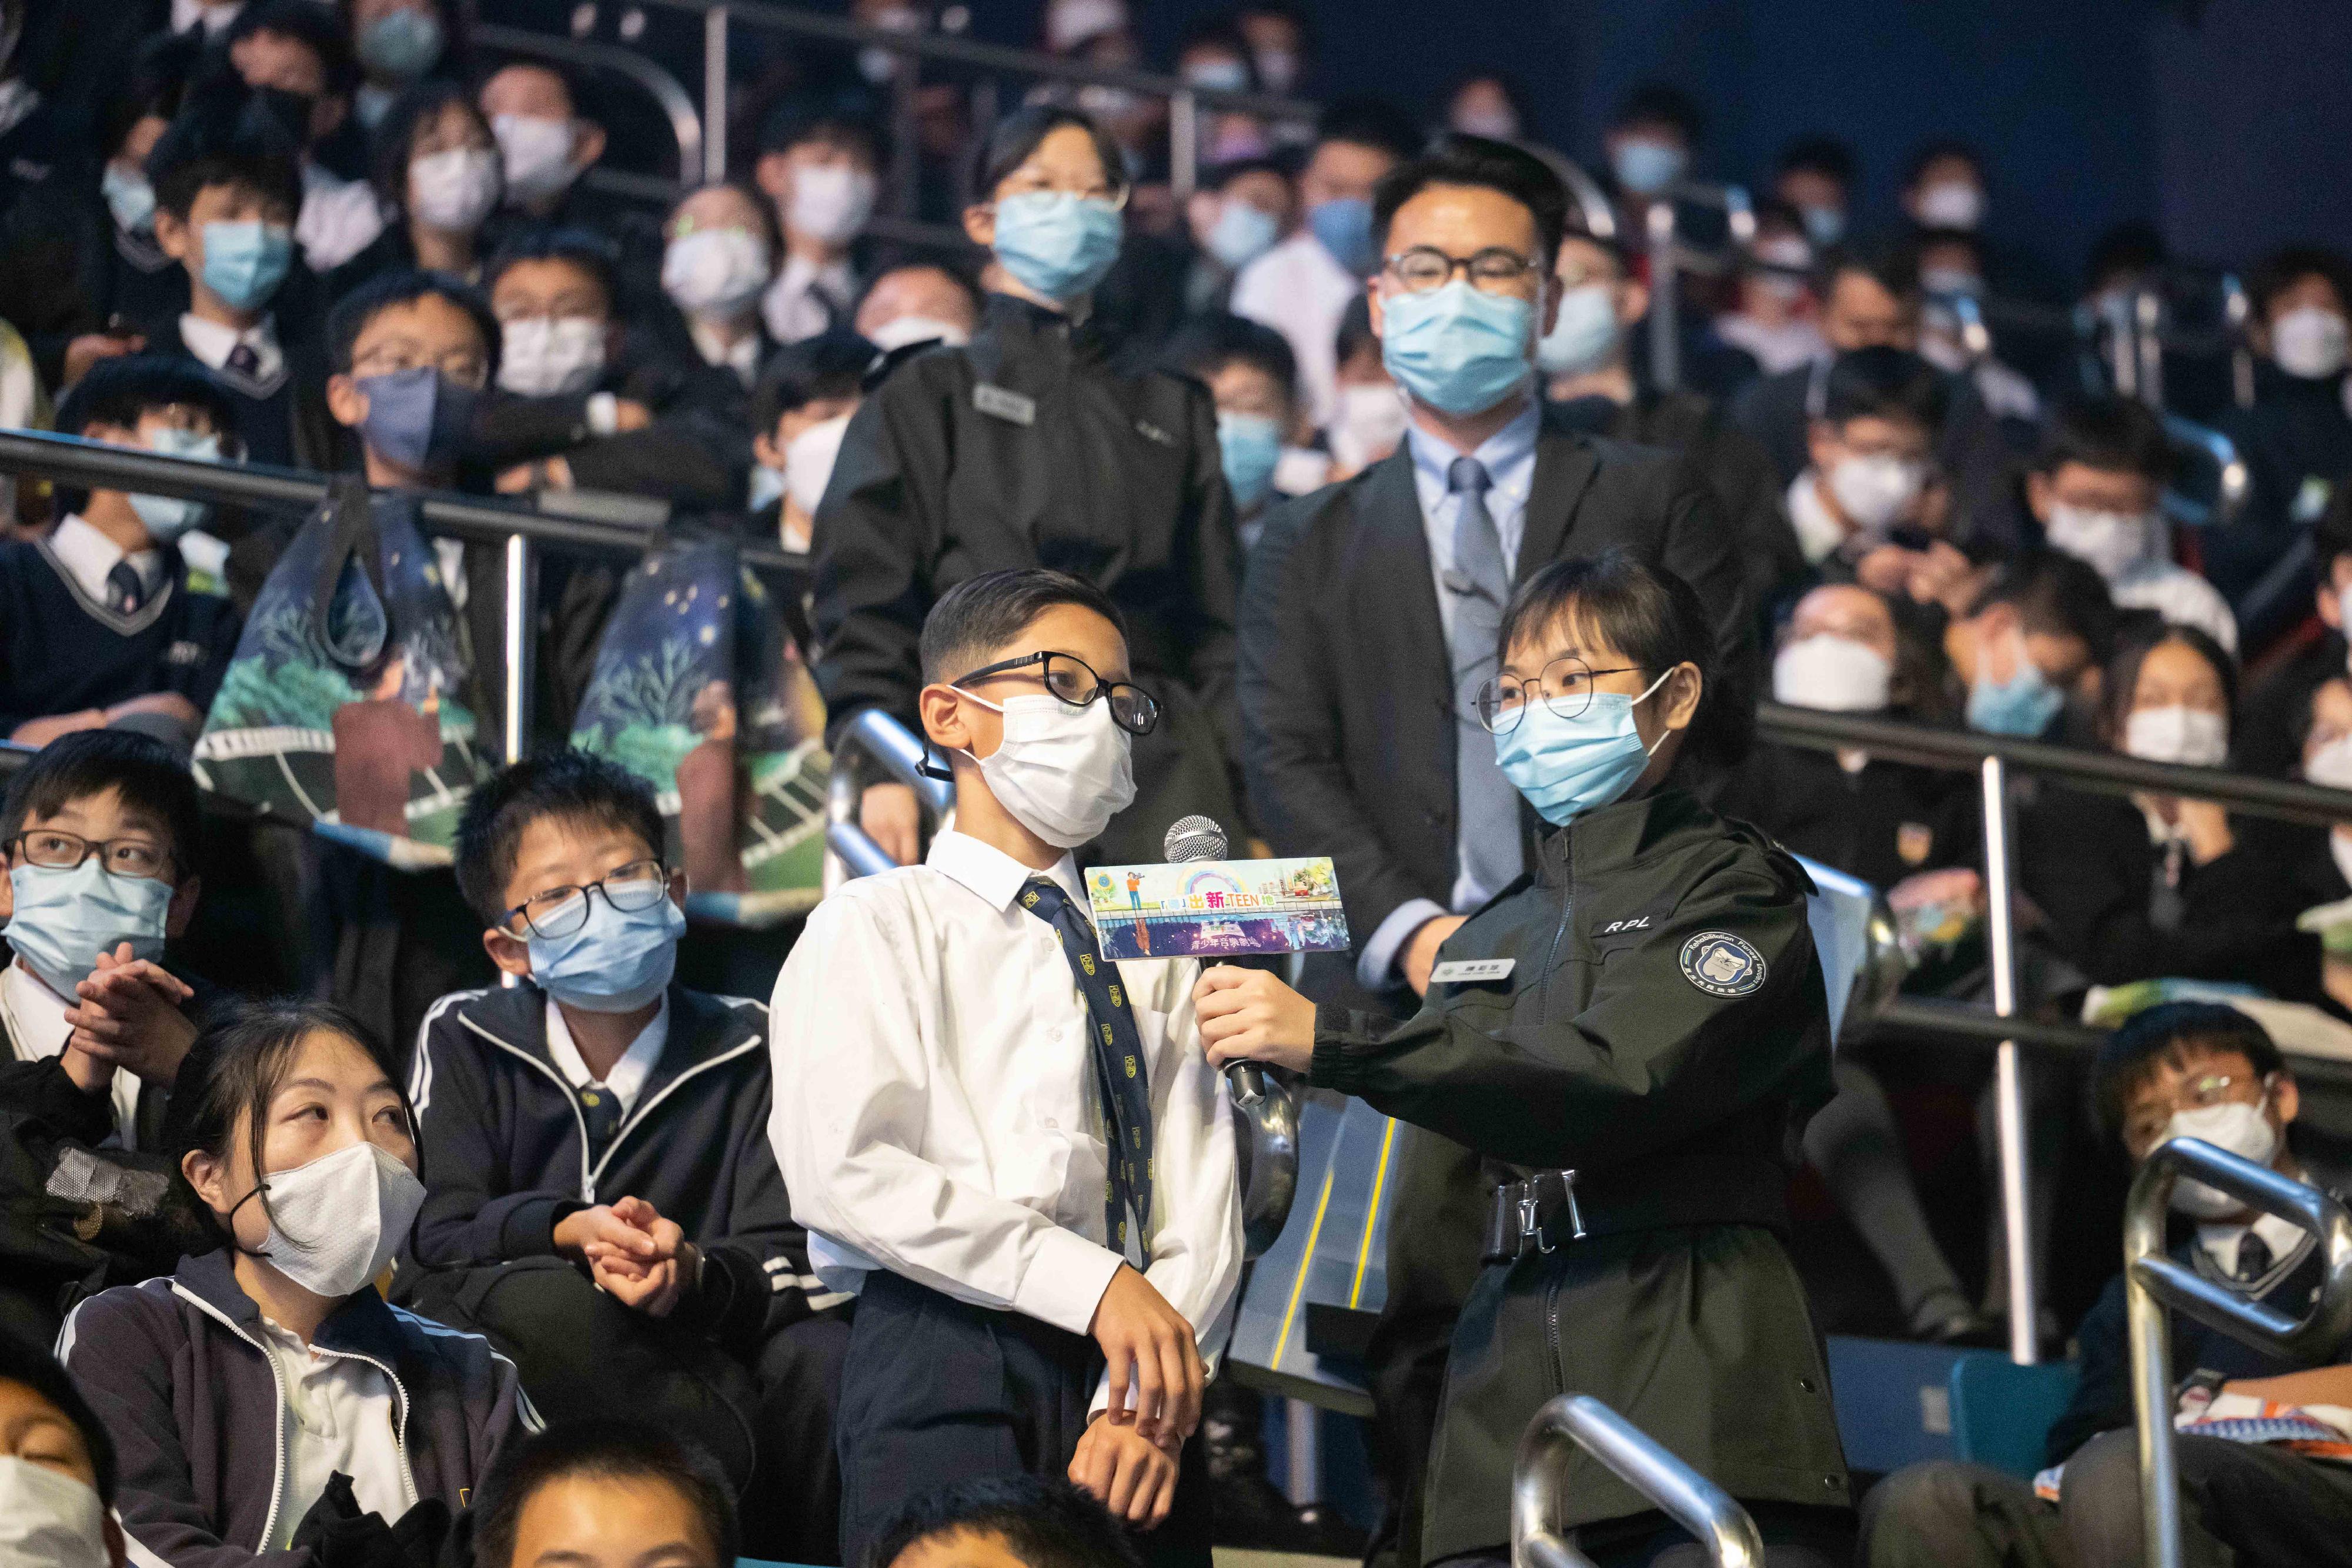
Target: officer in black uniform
{"x": 1028, "y": 448}
{"x": 1631, "y": 1037}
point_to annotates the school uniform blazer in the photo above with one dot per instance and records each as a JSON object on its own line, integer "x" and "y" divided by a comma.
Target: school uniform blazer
{"x": 1347, "y": 685}
{"x": 176, "y": 1371}
{"x": 500, "y": 1132}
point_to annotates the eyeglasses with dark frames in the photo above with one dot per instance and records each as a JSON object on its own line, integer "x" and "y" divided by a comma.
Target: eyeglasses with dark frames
{"x": 562, "y": 911}
{"x": 1565, "y": 687}
{"x": 52, "y": 848}
{"x": 1074, "y": 681}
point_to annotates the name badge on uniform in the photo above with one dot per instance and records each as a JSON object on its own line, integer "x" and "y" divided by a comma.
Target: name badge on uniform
{"x": 1461, "y": 971}
{"x": 1004, "y": 404}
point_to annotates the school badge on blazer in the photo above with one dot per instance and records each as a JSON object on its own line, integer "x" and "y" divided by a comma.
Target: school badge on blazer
{"x": 1722, "y": 964}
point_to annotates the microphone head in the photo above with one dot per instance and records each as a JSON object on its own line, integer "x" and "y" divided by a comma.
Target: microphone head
{"x": 1194, "y": 839}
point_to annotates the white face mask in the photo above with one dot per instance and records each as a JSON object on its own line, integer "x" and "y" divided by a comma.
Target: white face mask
{"x": 454, "y": 191}
{"x": 1876, "y": 489}
{"x": 2189, "y": 736}
{"x": 1370, "y": 425}
{"x": 336, "y": 1222}
{"x": 1064, "y": 772}
{"x": 1952, "y": 205}
{"x": 551, "y": 356}
{"x": 2234, "y": 1126}
{"x": 808, "y": 462}
{"x": 2331, "y": 766}
{"x": 1831, "y": 675}
{"x": 537, "y": 154}
{"x": 2309, "y": 340}
{"x": 830, "y": 202}
{"x": 2112, "y": 543}
{"x": 901, "y": 330}
{"x": 715, "y": 272}
{"x": 48, "y": 1519}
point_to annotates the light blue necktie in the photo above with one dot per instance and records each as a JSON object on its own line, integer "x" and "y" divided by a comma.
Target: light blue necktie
{"x": 1480, "y": 585}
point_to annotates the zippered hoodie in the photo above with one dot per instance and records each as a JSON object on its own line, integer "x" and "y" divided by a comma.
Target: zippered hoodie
{"x": 505, "y": 1153}
{"x": 176, "y": 1369}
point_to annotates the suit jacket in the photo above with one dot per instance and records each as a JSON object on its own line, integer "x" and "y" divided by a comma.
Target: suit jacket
{"x": 1345, "y": 682}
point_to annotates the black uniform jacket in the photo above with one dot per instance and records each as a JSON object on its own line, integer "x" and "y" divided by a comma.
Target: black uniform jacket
{"x": 1663, "y": 1032}
{"x": 1025, "y": 448}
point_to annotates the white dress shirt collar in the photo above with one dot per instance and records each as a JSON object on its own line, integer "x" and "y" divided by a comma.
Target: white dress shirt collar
{"x": 1820, "y": 531}
{"x": 340, "y": 1416}
{"x": 995, "y": 875}
{"x": 1508, "y": 455}
{"x": 627, "y": 1078}
{"x": 2282, "y": 1237}
{"x": 742, "y": 356}
{"x": 213, "y": 343}
{"x": 89, "y": 555}
{"x": 795, "y": 304}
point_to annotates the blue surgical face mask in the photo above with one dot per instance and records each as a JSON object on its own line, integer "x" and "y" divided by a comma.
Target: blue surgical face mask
{"x": 65, "y": 919}
{"x": 1250, "y": 445}
{"x": 617, "y": 962}
{"x": 245, "y": 261}
{"x": 1344, "y": 226}
{"x": 417, "y": 417}
{"x": 1566, "y": 767}
{"x": 2022, "y": 705}
{"x": 1242, "y": 234}
{"x": 1823, "y": 226}
{"x": 129, "y": 197}
{"x": 1057, "y": 244}
{"x": 1646, "y": 167}
{"x": 403, "y": 44}
{"x": 166, "y": 518}
{"x": 1581, "y": 338}
{"x": 1457, "y": 349}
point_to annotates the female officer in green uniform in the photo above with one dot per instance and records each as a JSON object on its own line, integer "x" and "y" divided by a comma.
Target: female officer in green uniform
{"x": 1631, "y": 1037}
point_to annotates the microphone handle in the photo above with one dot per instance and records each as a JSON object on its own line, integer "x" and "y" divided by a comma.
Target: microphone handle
{"x": 1246, "y": 1082}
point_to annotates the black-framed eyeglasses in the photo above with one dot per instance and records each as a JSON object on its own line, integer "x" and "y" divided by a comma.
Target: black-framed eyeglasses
{"x": 52, "y": 848}
{"x": 564, "y": 911}
{"x": 1565, "y": 687}
{"x": 1494, "y": 270}
{"x": 1074, "y": 681}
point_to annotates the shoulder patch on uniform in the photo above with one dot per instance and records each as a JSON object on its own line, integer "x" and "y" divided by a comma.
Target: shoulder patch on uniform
{"x": 1722, "y": 964}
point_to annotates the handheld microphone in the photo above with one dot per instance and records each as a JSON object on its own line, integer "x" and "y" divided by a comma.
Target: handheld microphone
{"x": 1201, "y": 838}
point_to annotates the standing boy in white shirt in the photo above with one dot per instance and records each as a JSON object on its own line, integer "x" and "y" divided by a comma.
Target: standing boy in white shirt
{"x": 1014, "y": 1150}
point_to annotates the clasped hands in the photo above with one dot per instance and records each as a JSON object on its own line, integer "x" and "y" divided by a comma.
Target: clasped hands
{"x": 636, "y": 1256}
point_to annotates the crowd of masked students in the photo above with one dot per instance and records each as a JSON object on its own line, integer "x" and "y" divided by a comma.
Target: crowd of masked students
{"x": 338, "y": 238}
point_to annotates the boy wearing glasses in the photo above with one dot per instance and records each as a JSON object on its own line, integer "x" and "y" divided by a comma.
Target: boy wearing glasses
{"x": 603, "y": 1203}
{"x": 98, "y": 837}
{"x": 1010, "y": 1149}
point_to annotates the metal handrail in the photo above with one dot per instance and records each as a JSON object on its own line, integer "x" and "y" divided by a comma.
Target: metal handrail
{"x": 668, "y": 92}
{"x": 2153, "y": 1281}
{"x": 2232, "y": 480}
{"x": 875, "y": 738}
{"x": 1578, "y": 1420}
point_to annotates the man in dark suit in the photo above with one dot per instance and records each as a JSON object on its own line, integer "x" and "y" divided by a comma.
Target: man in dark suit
{"x": 1368, "y": 622}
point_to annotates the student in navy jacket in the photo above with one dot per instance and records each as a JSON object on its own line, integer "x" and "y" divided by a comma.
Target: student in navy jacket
{"x": 243, "y": 1388}
{"x": 605, "y": 1203}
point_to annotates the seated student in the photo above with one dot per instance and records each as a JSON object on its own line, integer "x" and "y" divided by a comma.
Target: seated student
{"x": 1870, "y": 502}
{"x": 298, "y": 49}
{"x": 436, "y": 169}
{"x": 2274, "y": 705}
{"x": 103, "y": 621}
{"x": 720, "y": 246}
{"x": 544, "y": 143}
{"x": 2019, "y": 642}
{"x": 1592, "y": 378}
{"x": 56, "y": 1467}
{"x": 604, "y": 1204}
{"x": 2182, "y": 1069}
{"x": 918, "y": 303}
{"x": 571, "y": 411}
{"x": 1772, "y": 317}
{"x": 409, "y": 354}
{"x": 946, "y": 1105}
{"x": 2097, "y": 488}
{"x": 399, "y": 43}
{"x": 1241, "y": 211}
{"x": 1369, "y": 408}
{"x": 1249, "y": 370}
{"x": 1030, "y": 1521}
{"x": 816, "y": 166}
{"x": 799, "y": 411}
{"x": 237, "y": 1385}
{"x": 1952, "y": 264}
{"x": 2159, "y": 885}
{"x": 2297, "y": 438}
{"x": 98, "y": 836}
{"x": 606, "y": 1494}
{"x": 225, "y": 193}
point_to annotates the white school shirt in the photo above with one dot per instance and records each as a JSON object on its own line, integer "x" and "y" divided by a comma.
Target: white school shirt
{"x": 213, "y": 343}
{"x": 35, "y": 1017}
{"x": 936, "y": 1113}
{"x": 2221, "y": 1242}
{"x": 339, "y": 1417}
{"x": 90, "y": 556}
{"x": 1300, "y": 291}
{"x": 629, "y": 1074}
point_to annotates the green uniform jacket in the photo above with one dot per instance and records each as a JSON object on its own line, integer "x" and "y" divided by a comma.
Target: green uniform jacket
{"x": 1663, "y": 1032}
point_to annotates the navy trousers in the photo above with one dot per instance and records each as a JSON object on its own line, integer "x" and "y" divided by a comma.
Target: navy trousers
{"x": 935, "y": 1391}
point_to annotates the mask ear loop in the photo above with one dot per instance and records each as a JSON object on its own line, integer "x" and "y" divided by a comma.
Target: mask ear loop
{"x": 1652, "y": 749}
{"x": 228, "y": 1220}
